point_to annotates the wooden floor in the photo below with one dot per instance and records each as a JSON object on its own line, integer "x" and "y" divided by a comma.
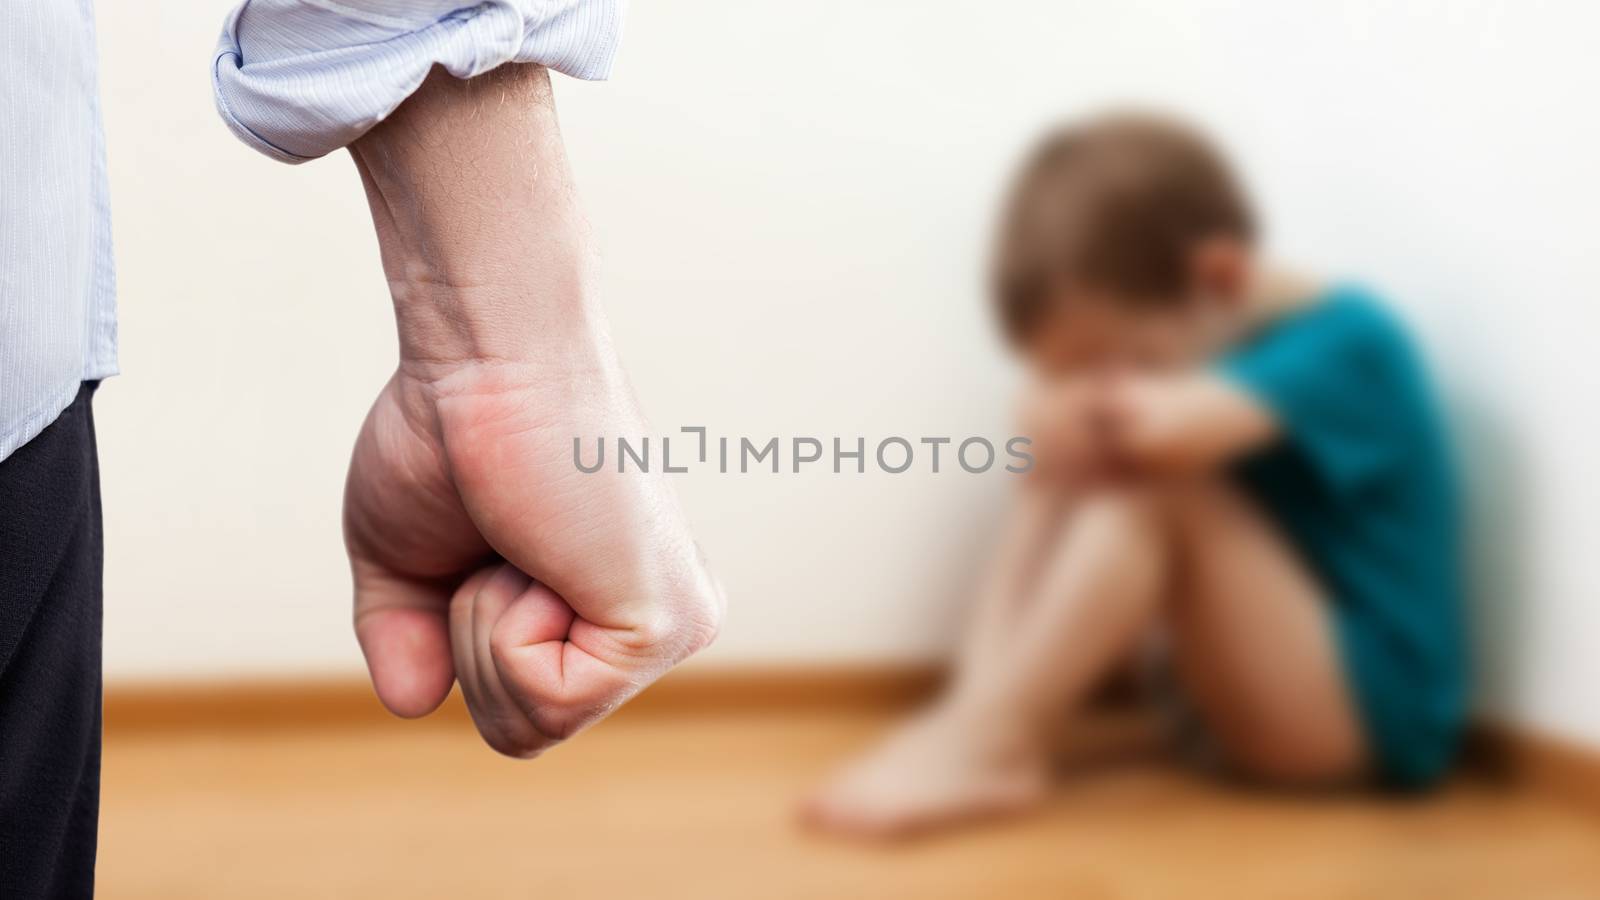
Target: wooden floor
{"x": 686, "y": 804}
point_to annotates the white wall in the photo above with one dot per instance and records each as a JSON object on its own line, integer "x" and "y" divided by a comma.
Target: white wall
{"x": 792, "y": 202}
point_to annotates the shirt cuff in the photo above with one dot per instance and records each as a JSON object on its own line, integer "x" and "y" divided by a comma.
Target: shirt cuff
{"x": 298, "y": 79}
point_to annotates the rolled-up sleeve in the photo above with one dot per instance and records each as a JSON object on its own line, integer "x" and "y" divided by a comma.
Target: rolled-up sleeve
{"x": 297, "y": 79}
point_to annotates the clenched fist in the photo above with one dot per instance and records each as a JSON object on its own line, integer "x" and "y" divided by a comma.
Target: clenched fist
{"x": 481, "y": 553}
{"x": 600, "y": 591}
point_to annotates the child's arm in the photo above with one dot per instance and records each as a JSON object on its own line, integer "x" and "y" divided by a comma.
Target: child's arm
{"x": 1182, "y": 424}
{"x": 1062, "y": 418}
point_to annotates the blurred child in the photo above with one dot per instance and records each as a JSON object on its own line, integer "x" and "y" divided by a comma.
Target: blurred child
{"x": 1246, "y": 461}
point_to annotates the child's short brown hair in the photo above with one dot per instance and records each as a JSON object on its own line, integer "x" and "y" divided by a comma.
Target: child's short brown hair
{"x": 1113, "y": 204}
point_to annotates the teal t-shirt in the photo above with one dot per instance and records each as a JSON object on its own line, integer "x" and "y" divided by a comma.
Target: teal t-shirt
{"x": 1361, "y": 483}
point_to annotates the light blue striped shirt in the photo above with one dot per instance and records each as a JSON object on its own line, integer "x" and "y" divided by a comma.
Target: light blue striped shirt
{"x": 295, "y": 79}
{"x": 58, "y": 318}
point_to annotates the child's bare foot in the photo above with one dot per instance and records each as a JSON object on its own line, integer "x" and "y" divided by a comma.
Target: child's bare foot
{"x": 941, "y": 768}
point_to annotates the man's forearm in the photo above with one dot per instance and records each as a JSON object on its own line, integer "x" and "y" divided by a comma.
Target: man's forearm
{"x": 483, "y": 246}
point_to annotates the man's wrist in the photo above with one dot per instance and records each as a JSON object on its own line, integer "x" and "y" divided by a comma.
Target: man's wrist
{"x": 482, "y": 244}
{"x": 448, "y": 324}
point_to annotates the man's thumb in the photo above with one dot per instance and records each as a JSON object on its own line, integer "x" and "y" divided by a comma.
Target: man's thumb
{"x": 404, "y": 631}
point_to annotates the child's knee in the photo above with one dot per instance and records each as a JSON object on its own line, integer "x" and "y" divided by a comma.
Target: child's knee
{"x": 1127, "y": 511}
{"x": 1159, "y": 511}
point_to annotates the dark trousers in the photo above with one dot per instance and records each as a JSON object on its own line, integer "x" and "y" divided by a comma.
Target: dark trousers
{"x": 50, "y": 562}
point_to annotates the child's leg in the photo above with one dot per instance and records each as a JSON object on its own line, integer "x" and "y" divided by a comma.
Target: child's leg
{"x": 1254, "y": 640}
{"x": 1092, "y": 600}
{"x": 985, "y": 747}
{"x": 1256, "y": 648}
{"x": 1253, "y": 635}
{"x": 1027, "y": 540}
